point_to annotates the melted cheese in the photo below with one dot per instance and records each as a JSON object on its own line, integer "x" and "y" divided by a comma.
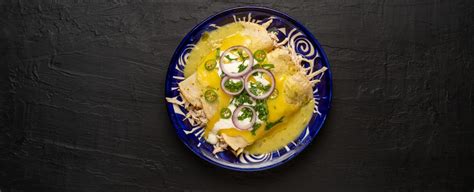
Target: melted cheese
{"x": 278, "y": 107}
{"x": 212, "y": 79}
{"x": 285, "y": 132}
{"x": 210, "y": 41}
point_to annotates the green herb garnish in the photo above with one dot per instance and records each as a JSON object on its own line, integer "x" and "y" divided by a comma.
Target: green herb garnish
{"x": 264, "y": 66}
{"x": 218, "y": 53}
{"x": 269, "y": 125}
{"x": 241, "y": 55}
{"x": 230, "y": 59}
{"x": 233, "y": 86}
{"x": 262, "y": 110}
{"x": 268, "y": 66}
{"x": 255, "y": 127}
{"x": 246, "y": 113}
{"x": 244, "y": 97}
{"x": 258, "y": 88}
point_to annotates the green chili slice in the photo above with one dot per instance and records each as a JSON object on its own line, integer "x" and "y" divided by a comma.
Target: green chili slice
{"x": 210, "y": 96}
{"x": 259, "y": 55}
{"x": 268, "y": 66}
{"x": 210, "y": 64}
{"x": 225, "y": 113}
{"x": 246, "y": 113}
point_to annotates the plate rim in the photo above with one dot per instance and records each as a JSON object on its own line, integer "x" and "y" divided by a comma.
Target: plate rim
{"x": 297, "y": 24}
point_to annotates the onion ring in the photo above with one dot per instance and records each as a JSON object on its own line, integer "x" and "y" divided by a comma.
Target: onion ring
{"x": 242, "y": 73}
{"x": 236, "y": 121}
{"x": 247, "y": 86}
{"x": 228, "y": 91}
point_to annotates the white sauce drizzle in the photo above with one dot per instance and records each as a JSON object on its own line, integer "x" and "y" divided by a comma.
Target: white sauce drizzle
{"x": 233, "y": 66}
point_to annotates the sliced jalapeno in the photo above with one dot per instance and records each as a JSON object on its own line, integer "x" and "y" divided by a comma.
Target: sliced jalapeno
{"x": 210, "y": 64}
{"x": 260, "y": 55}
{"x": 225, "y": 113}
{"x": 210, "y": 96}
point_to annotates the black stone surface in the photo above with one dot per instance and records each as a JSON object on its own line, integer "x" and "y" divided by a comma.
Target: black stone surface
{"x": 82, "y": 98}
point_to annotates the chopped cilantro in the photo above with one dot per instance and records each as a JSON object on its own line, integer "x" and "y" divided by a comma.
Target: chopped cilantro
{"x": 268, "y": 66}
{"x": 258, "y": 88}
{"x": 233, "y": 86}
{"x": 244, "y": 97}
{"x": 241, "y": 55}
{"x": 242, "y": 67}
{"x": 255, "y": 127}
{"x": 272, "y": 124}
{"x": 230, "y": 59}
{"x": 246, "y": 113}
{"x": 262, "y": 110}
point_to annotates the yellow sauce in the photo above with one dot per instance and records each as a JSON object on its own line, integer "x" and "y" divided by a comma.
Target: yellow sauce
{"x": 283, "y": 133}
{"x": 209, "y": 42}
{"x": 211, "y": 80}
{"x": 294, "y": 117}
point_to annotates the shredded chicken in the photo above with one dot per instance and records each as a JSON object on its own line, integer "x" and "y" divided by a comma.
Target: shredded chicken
{"x": 194, "y": 114}
{"x": 277, "y": 44}
{"x": 220, "y": 146}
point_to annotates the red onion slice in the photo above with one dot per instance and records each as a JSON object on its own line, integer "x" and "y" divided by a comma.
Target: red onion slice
{"x": 228, "y": 91}
{"x": 247, "y": 84}
{"x": 238, "y": 124}
{"x": 234, "y": 74}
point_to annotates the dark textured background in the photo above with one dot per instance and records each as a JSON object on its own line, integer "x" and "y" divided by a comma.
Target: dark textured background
{"x": 82, "y": 98}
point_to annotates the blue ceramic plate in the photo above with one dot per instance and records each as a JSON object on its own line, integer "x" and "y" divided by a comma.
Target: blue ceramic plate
{"x": 300, "y": 39}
